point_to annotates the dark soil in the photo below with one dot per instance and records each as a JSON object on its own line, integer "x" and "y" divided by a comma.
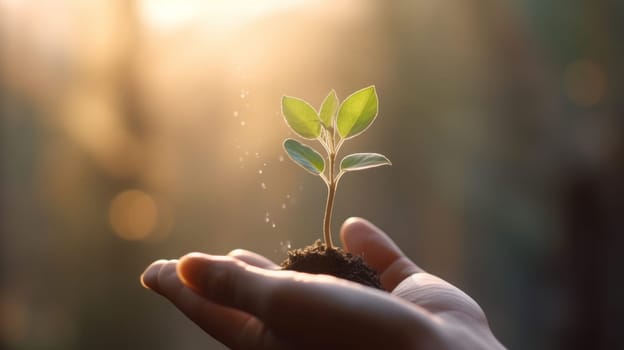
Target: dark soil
{"x": 317, "y": 259}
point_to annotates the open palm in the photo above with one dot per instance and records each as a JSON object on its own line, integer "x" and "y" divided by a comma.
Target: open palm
{"x": 246, "y": 302}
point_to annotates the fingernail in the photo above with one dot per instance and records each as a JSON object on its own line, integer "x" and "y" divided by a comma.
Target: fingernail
{"x": 143, "y": 283}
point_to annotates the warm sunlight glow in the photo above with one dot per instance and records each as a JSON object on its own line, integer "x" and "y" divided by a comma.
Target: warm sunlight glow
{"x": 215, "y": 14}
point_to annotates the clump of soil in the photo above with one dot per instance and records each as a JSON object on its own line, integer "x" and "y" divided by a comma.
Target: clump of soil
{"x": 316, "y": 258}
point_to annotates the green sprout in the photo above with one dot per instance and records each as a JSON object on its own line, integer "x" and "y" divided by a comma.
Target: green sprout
{"x": 334, "y": 124}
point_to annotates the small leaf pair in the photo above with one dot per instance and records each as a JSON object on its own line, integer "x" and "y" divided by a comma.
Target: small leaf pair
{"x": 355, "y": 114}
{"x": 349, "y": 119}
{"x": 331, "y": 126}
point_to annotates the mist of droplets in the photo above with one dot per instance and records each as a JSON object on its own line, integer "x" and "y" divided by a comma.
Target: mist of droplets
{"x": 251, "y": 159}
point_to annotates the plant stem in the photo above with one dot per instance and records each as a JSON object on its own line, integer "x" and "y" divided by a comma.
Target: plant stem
{"x": 331, "y": 193}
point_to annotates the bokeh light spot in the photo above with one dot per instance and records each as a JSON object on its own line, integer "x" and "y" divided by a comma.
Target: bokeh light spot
{"x": 133, "y": 215}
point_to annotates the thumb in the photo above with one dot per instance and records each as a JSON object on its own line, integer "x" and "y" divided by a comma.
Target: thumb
{"x": 360, "y": 237}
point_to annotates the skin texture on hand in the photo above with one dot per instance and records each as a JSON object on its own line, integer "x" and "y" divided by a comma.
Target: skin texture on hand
{"x": 246, "y": 302}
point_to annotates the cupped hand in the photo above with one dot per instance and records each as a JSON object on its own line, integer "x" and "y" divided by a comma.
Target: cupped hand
{"x": 245, "y": 301}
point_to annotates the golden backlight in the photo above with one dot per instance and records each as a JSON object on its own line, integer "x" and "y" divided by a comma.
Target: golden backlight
{"x": 213, "y": 14}
{"x": 132, "y": 130}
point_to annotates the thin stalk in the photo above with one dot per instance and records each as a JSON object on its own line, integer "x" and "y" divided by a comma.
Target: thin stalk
{"x": 331, "y": 193}
{"x": 324, "y": 141}
{"x": 337, "y": 148}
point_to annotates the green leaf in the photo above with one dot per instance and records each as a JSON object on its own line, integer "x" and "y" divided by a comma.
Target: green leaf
{"x": 305, "y": 156}
{"x": 328, "y": 109}
{"x": 357, "y": 112}
{"x": 301, "y": 117}
{"x": 361, "y": 161}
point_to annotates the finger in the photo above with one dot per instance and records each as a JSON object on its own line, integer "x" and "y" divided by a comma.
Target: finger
{"x": 254, "y": 259}
{"x": 229, "y": 326}
{"x": 360, "y": 237}
{"x": 149, "y": 278}
{"x": 313, "y": 309}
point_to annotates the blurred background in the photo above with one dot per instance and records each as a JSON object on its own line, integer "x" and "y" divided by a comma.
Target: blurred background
{"x": 145, "y": 129}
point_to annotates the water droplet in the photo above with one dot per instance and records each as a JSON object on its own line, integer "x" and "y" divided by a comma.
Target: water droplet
{"x": 257, "y": 154}
{"x": 263, "y": 185}
{"x": 235, "y": 113}
{"x": 266, "y": 219}
{"x": 273, "y": 225}
{"x": 288, "y": 196}
{"x": 281, "y": 158}
{"x": 283, "y": 205}
{"x": 242, "y": 123}
{"x": 264, "y": 164}
{"x": 260, "y": 171}
{"x": 285, "y": 246}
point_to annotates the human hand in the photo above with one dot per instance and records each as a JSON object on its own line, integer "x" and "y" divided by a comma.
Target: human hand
{"x": 246, "y": 302}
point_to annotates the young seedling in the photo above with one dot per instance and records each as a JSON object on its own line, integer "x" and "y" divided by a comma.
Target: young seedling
{"x": 334, "y": 124}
